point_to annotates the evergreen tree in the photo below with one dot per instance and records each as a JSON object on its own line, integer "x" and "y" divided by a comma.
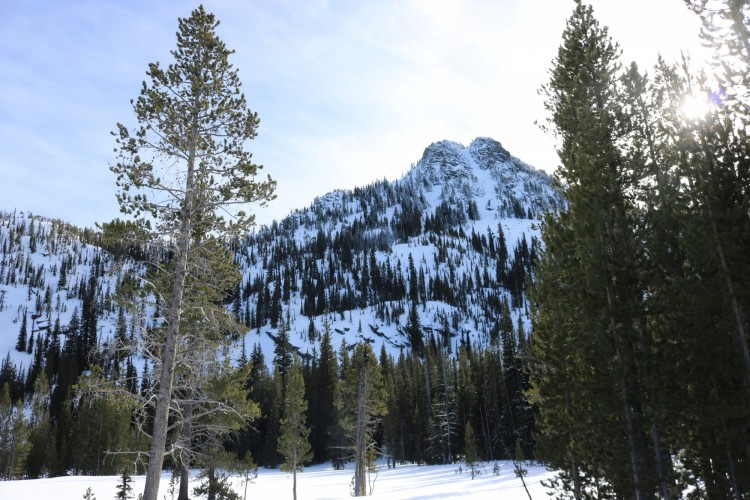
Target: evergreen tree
{"x": 322, "y": 414}
{"x": 14, "y": 434}
{"x": 414, "y": 331}
{"x": 62, "y": 280}
{"x": 124, "y": 488}
{"x": 101, "y": 425}
{"x": 443, "y": 405}
{"x": 718, "y": 165}
{"x": 283, "y": 352}
{"x": 22, "y": 335}
{"x": 275, "y": 401}
{"x": 586, "y": 102}
{"x": 361, "y": 403}
{"x": 294, "y": 439}
{"x": 40, "y": 460}
{"x": 193, "y": 114}
{"x": 471, "y": 455}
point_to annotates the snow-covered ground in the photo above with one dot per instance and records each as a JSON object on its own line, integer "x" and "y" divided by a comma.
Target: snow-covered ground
{"x": 319, "y": 482}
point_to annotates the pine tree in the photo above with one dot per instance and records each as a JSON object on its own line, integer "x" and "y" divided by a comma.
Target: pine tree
{"x": 275, "y": 401}
{"x": 471, "y": 455}
{"x": 586, "y": 102}
{"x": 101, "y": 425}
{"x": 414, "y": 331}
{"x": 322, "y": 413}
{"x": 39, "y": 460}
{"x": 294, "y": 439}
{"x": 193, "y": 114}
{"x": 22, "y": 335}
{"x": 719, "y": 164}
{"x": 443, "y": 404}
{"x": 62, "y": 280}
{"x": 14, "y": 436}
{"x": 361, "y": 403}
{"x": 698, "y": 228}
{"x": 283, "y": 352}
{"x": 124, "y": 488}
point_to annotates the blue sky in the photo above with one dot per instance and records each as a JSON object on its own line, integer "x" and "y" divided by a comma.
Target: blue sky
{"x": 347, "y": 91}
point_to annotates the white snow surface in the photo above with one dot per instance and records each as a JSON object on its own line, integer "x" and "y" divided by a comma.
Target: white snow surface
{"x": 318, "y": 482}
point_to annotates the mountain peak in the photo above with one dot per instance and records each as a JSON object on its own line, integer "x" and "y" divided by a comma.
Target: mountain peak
{"x": 486, "y": 151}
{"x": 484, "y": 173}
{"x": 444, "y": 161}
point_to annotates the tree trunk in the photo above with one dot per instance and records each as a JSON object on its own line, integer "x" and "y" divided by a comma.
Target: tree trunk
{"x": 661, "y": 468}
{"x": 294, "y": 482}
{"x": 635, "y": 459}
{"x": 730, "y": 456}
{"x": 184, "y": 483}
{"x": 164, "y": 398}
{"x": 212, "y": 482}
{"x": 184, "y": 463}
{"x": 575, "y": 475}
{"x": 576, "y": 481}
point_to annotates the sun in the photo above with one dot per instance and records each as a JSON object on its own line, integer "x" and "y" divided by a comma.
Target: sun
{"x": 695, "y": 107}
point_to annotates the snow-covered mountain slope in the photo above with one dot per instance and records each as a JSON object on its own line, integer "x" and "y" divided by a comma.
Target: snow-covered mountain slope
{"x": 448, "y": 243}
{"x": 49, "y": 273}
{"x": 456, "y": 236}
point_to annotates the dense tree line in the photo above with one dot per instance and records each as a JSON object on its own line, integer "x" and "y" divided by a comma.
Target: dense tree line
{"x": 639, "y": 352}
{"x": 428, "y": 396}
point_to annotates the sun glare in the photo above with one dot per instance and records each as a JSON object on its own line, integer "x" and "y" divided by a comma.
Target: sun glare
{"x": 695, "y": 107}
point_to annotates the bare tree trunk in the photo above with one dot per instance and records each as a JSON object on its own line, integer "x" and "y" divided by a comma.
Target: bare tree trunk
{"x": 184, "y": 463}
{"x": 184, "y": 483}
{"x": 164, "y": 398}
{"x": 294, "y": 482}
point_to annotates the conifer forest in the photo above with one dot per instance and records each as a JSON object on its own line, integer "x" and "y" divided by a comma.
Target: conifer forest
{"x": 595, "y": 320}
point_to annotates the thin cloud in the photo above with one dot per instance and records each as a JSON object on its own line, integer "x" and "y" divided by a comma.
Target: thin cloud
{"x": 347, "y": 92}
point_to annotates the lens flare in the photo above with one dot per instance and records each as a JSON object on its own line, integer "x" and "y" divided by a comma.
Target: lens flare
{"x": 695, "y": 107}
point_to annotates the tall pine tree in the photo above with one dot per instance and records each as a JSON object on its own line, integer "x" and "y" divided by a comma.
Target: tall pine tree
{"x": 185, "y": 165}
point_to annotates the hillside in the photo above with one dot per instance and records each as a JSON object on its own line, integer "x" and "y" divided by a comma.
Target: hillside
{"x": 430, "y": 270}
{"x": 456, "y": 236}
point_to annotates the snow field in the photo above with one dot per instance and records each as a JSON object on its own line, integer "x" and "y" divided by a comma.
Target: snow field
{"x": 320, "y": 482}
